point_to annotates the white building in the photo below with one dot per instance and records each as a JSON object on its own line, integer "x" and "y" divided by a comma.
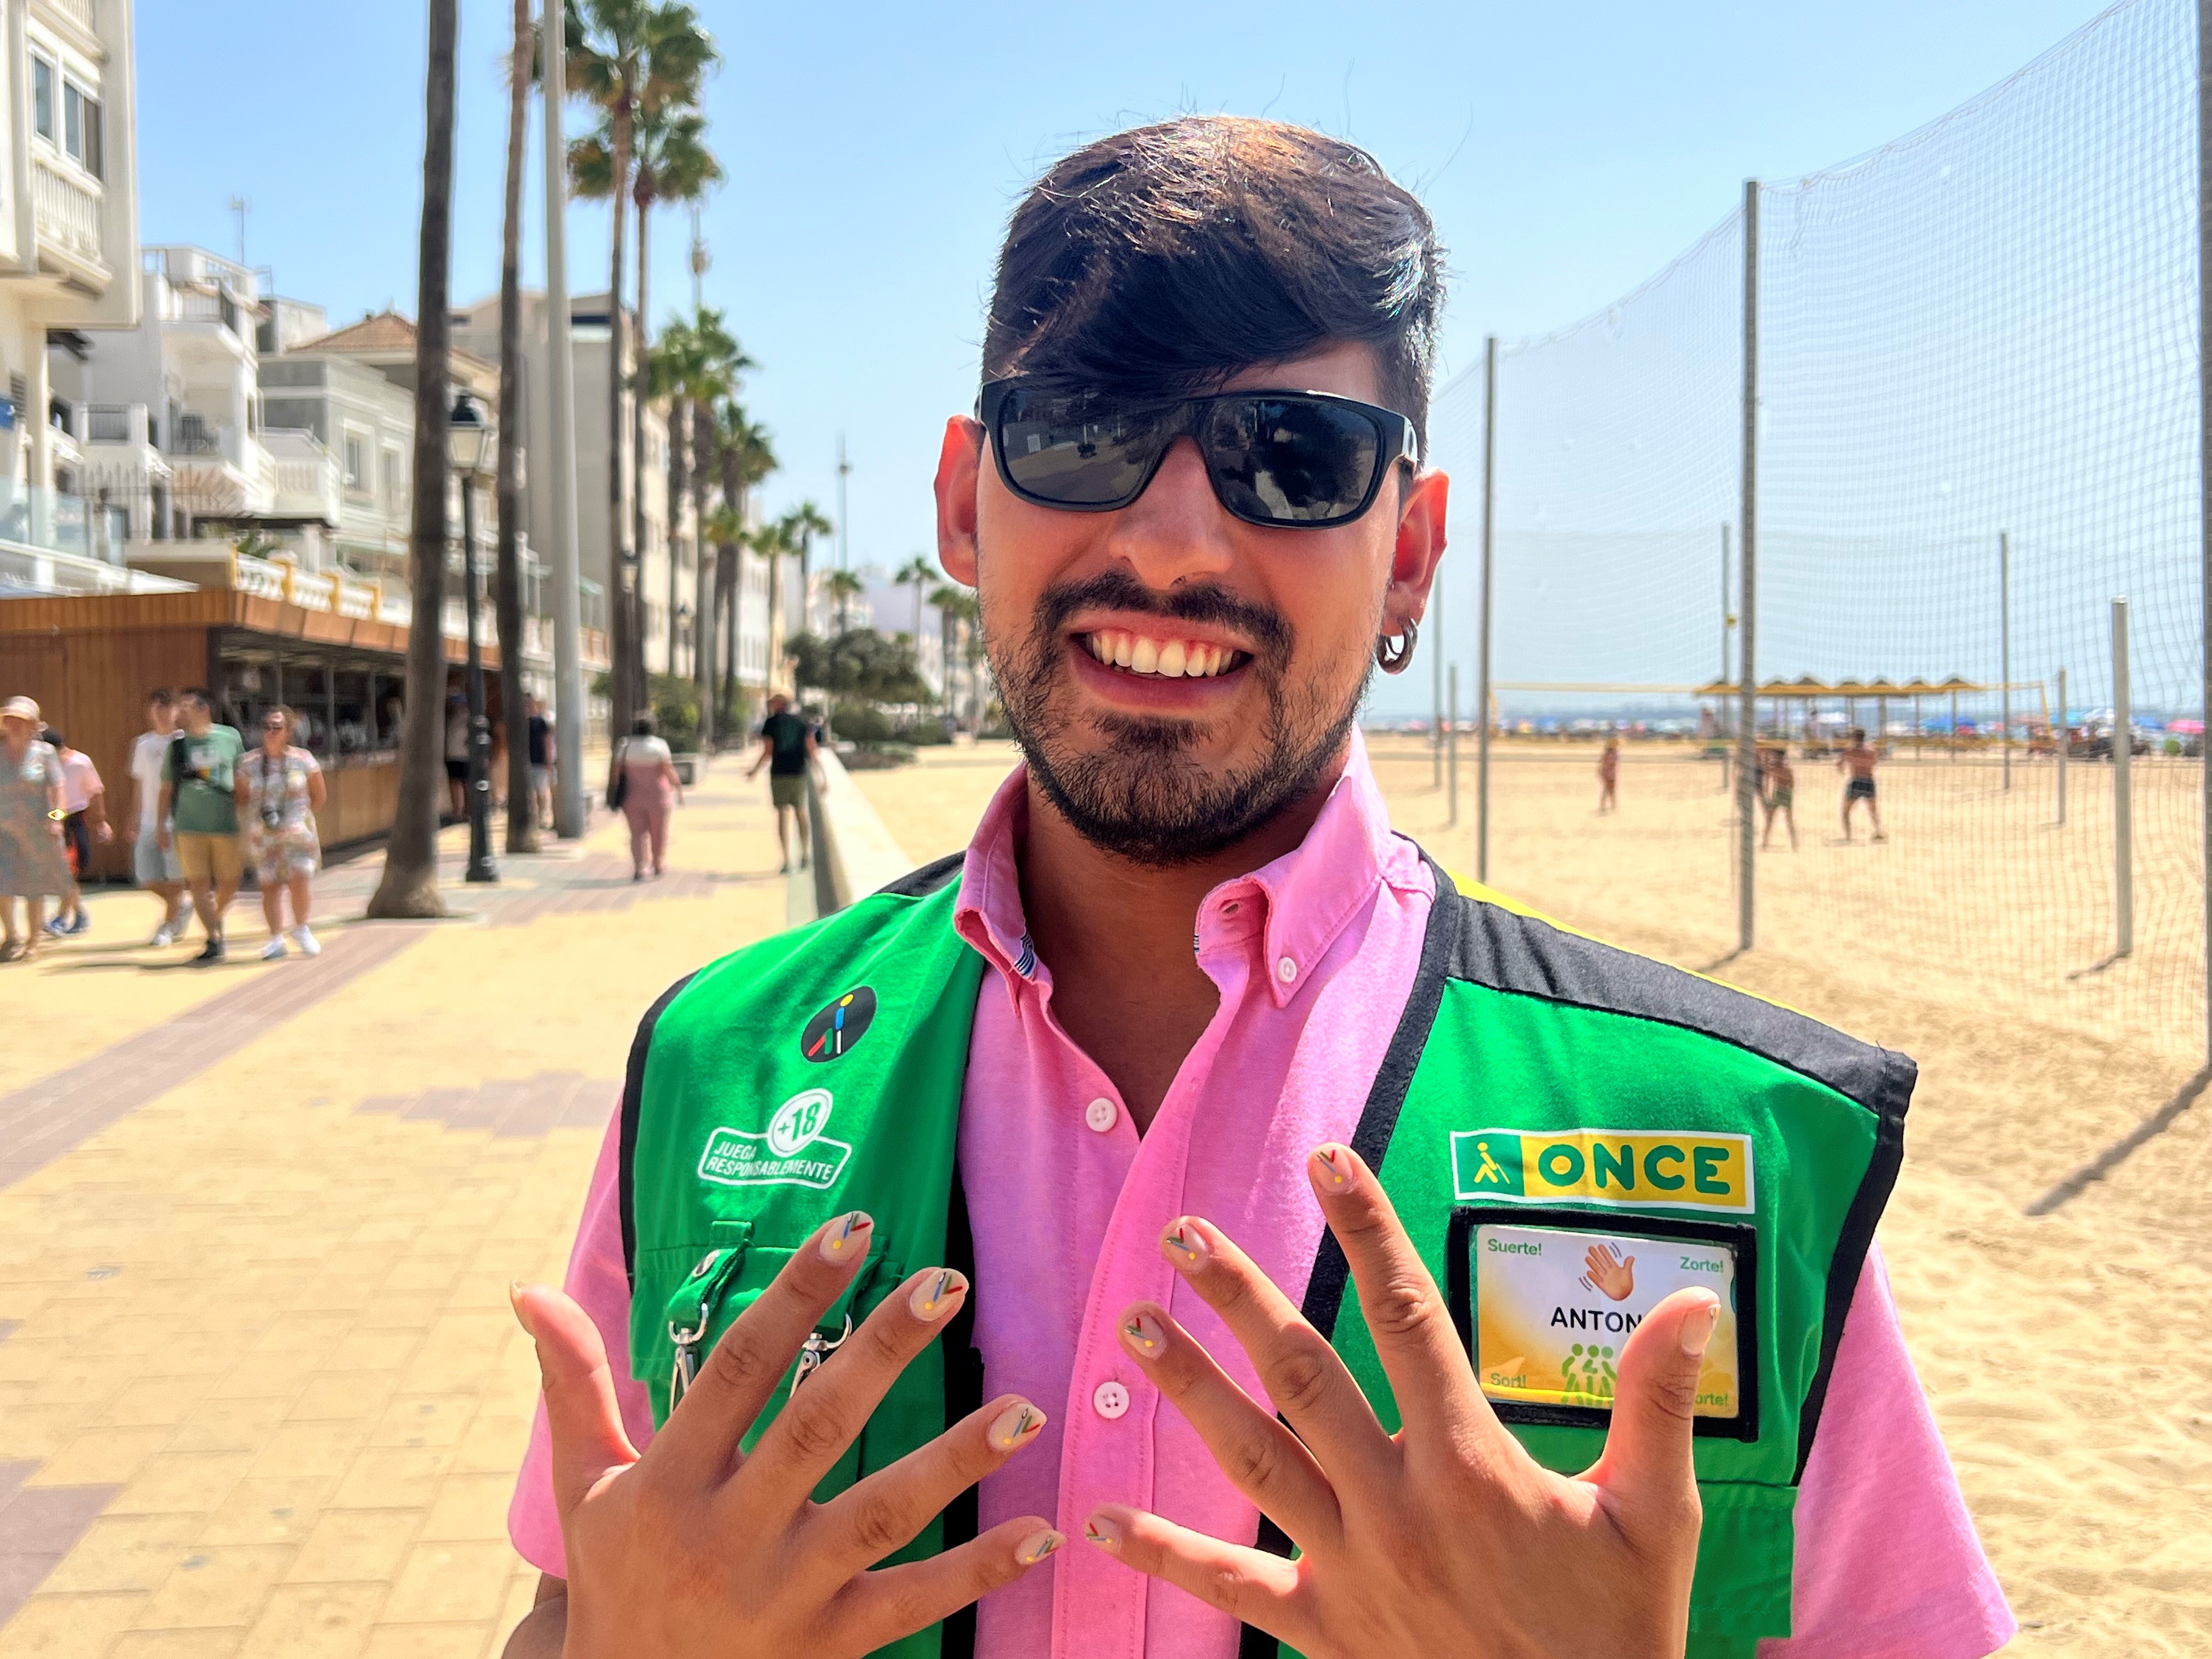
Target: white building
{"x": 68, "y": 262}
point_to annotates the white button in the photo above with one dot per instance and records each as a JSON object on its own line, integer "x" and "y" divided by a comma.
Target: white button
{"x": 1111, "y": 1399}
{"x": 1100, "y": 1114}
{"x": 1287, "y": 970}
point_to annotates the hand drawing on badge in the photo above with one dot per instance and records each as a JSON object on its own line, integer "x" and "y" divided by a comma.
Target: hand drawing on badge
{"x": 1609, "y": 1273}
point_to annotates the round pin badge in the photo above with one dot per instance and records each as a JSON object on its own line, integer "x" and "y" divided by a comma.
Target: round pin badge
{"x": 835, "y": 1030}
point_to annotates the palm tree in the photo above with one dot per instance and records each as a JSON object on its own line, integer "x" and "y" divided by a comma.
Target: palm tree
{"x": 844, "y": 588}
{"x": 409, "y": 885}
{"x": 806, "y": 522}
{"x": 744, "y": 454}
{"x": 697, "y": 362}
{"x": 955, "y": 605}
{"x": 521, "y": 805}
{"x": 916, "y": 573}
{"x": 627, "y": 56}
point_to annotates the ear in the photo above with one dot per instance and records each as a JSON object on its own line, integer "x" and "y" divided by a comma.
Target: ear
{"x": 959, "y": 470}
{"x": 1420, "y": 549}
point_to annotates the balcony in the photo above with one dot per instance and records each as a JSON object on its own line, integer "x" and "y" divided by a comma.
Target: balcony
{"x": 219, "y": 470}
{"x": 79, "y": 12}
{"x": 68, "y": 208}
{"x": 307, "y": 482}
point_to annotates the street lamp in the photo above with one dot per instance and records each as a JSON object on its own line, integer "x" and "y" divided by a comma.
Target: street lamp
{"x": 469, "y": 446}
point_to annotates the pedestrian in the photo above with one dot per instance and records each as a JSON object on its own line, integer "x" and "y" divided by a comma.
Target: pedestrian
{"x": 1073, "y": 1113}
{"x": 31, "y": 863}
{"x": 1858, "y": 763}
{"x": 457, "y": 755}
{"x": 280, "y": 789}
{"x": 1608, "y": 776}
{"x": 788, "y": 748}
{"x": 643, "y": 783}
{"x": 153, "y": 857}
{"x": 84, "y": 822}
{"x": 1777, "y": 792}
{"x": 198, "y": 814}
{"x": 541, "y": 766}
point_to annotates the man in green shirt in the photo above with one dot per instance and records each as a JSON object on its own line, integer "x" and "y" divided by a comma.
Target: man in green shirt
{"x": 199, "y": 806}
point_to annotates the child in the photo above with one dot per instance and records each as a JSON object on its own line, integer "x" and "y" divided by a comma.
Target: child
{"x": 1777, "y": 792}
{"x": 1608, "y": 776}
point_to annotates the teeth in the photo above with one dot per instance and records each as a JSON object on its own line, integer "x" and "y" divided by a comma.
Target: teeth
{"x": 1172, "y": 658}
{"x": 1124, "y": 649}
{"x": 1145, "y": 657}
{"x": 1168, "y": 659}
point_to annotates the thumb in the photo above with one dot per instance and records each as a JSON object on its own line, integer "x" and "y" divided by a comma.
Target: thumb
{"x": 583, "y": 1420}
{"x": 1646, "y": 1467}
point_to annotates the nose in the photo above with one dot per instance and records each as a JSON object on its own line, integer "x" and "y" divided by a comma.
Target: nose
{"x": 1176, "y": 532}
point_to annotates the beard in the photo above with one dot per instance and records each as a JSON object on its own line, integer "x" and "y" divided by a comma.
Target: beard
{"x": 1145, "y": 795}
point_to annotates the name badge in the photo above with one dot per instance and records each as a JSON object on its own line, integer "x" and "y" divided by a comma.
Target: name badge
{"x": 1546, "y": 1300}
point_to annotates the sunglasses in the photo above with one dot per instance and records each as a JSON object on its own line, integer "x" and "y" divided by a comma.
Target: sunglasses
{"x": 1289, "y": 460}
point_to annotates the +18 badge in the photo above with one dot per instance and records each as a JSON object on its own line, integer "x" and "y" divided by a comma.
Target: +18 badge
{"x": 839, "y": 1026}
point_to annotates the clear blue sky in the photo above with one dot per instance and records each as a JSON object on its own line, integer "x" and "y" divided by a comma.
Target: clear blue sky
{"x": 874, "y": 150}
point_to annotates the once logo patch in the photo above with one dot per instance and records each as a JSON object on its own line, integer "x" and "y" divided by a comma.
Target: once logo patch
{"x": 839, "y": 1026}
{"x": 793, "y": 1151}
{"x": 1645, "y": 1168}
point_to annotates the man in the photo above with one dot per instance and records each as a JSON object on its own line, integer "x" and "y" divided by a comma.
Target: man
{"x": 84, "y": 803}
{"x": 540, "y": 740}
{"x": 197, "y": 812}
{"x": 1192, "y": 1095}
{"x": 153, "y": 859}
{"x": 457, "y": 755}
{"x": 788, "y": 749}
{"x": 1857, "y": 763}
{"x": 1777, "y": 793}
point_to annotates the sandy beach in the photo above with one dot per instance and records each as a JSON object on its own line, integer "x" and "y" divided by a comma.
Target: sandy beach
{"x": 2064, "y": 1354}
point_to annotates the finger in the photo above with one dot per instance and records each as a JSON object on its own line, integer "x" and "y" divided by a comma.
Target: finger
{"x": 816, "y": 1425}
{"x": 868, "y": 1521}
{"x": 1646, "y": 1468}
{"x": 583, "y": 1420}
{"x": 1414, "y": 1339}
{"x": 878, "y": 1608}
{"x": 1305, "y": 1379}
{"x": 1263, "y": 1459}
{"x": 746, "y": 1366}
{"x": 1249, "y": 1585}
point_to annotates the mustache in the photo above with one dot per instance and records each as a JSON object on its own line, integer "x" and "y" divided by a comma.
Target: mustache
{"x": 1117, "y": 590}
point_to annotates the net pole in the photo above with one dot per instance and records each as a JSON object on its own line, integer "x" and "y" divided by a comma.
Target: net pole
{"x": 1451, "y": 745}
{"x": 1436, "y": 680}
{"x": 1746, "y": 740}
{"x": 2205, "y": 485}
{"x": 2063, "y": 733}
{"x": 1483, "y": 693}
{"x": 2124, "y": 836}
{"x": 2004, "y": 651}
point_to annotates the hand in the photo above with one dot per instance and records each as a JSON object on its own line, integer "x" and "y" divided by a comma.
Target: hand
{"x": 1446, "y": 1537}
{"x": 103, "y": 834}
{"x": 693, "y": 1549}
{"x": 161, "y": 837}
{"x": 1610, "y": 1274}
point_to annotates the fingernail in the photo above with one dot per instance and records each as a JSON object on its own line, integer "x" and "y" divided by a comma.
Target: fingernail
{"x": 1145, "y": 1335}
{"x": 846, "y": 1238}
{"x": 1186, "y": 1247}
{"x": 938, "y": 1295}
{"x": 1104, "y": 1530}
{"x": 514, "y": 1288}
{"x": 1016, "y": 1426}
{"x": 1039, "y": 1545}
{"x": 1332, "y": 1169}
{"x": 1696, "y": 1330}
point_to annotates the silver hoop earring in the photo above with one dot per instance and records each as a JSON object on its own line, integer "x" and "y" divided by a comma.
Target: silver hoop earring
{"x": 1391, "y": 657}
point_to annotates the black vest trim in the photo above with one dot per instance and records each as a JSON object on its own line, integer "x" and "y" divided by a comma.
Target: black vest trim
{"x": 920, "y": 884}
{"x": 633, "y": 1105}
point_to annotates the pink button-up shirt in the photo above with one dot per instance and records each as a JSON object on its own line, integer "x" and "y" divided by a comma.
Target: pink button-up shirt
{"x": 1313, "y": 956}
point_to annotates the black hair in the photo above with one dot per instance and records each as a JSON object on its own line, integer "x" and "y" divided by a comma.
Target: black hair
{"x": 199, "y": 694}
{"x": 161, "y": 697}
{"x": 54, "y": 737}
{"x": 642, "y": 726}
{"x": 1164, "y": 258}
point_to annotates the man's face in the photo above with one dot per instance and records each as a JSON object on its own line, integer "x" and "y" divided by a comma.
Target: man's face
{"x": 1275, "y": 630}
{"x": 195, "y": 714}
{"x": 163, "y": 717}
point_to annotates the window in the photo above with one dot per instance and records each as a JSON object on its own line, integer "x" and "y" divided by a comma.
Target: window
{"x": 72, "y": 120}
{"x": 356, "y": 463}
{"x": 94, "y": 156}
{"x": 391, "y": 481}
{"x": 42, "y": 97}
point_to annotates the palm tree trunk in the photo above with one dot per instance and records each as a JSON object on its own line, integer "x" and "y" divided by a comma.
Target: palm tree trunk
{"x": 679, "y": 489}
{"x": 733, "y": 492}
{"x": 637, "y": 451}
{"x": 706, "y": 604}
{"x": 623, "y": 615}
{"x": 515, "y": 711}
{"x": 409, "y": 885}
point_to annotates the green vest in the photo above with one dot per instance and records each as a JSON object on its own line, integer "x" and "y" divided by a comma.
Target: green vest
{"x": 1548, "y": 1108}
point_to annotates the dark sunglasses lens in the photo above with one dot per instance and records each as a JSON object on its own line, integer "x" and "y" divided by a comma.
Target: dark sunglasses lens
{"x": 1291, "y": 460}
{"x": 1075, "y": 450}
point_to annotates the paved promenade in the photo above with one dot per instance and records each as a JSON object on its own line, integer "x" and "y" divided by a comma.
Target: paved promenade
{"x": 260, "y": 1392}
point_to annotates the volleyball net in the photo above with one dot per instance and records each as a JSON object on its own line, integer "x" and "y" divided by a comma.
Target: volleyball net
{"x": 1977, "y": 424}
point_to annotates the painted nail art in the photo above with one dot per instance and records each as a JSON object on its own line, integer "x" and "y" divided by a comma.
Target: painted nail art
{"x": 846, "y": 1238}
{"x": 1104, "y": 1531}
{"x": 1331, "y": 1167}
{"x": 1186, "y": 1247}
{"x": 937, "y": 1295}
{"x": 1145, "y": 1335}
{"x": 1016, "y": 1426}
{"x": 1039, "y": 1545}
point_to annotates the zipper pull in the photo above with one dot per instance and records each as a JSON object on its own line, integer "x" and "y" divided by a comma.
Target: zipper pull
{"x": 815, "y": 1350}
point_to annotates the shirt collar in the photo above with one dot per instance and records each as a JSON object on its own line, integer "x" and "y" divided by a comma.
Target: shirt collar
{"x": 1297, "y": 903}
